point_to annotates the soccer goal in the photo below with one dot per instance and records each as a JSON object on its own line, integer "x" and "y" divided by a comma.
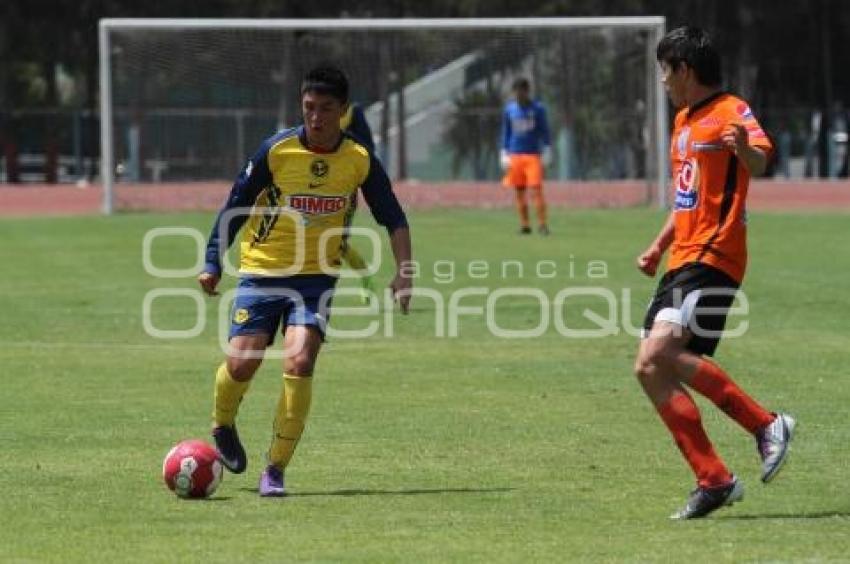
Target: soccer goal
{"x": 186, "y": 101}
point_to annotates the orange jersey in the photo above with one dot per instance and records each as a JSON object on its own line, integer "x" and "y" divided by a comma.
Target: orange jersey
{"x": 710, "y": 185}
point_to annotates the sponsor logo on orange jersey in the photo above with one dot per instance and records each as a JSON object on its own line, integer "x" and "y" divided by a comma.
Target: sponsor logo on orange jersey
{"x": 687, "y": 180}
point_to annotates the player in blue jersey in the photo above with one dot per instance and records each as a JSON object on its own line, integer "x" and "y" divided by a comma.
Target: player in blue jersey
{"x": 525, "y": 152}
{"x": 291, "y": 202}
{"x": 354, "y": 123}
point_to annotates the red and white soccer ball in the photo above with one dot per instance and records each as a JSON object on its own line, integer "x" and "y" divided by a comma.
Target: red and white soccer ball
{"x": 192, "y": 470}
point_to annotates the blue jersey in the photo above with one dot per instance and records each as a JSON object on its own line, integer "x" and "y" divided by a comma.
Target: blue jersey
{"x": 524, "y": 128}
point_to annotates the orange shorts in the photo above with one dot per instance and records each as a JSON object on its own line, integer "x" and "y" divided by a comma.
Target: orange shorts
{"x": 525, "y": 170}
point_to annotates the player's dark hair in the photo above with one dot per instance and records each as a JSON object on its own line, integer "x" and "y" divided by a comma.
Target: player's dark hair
{"x": 520, "y": 83}
{"x": 692, "y": 46}
{"x": 328, "y": 80}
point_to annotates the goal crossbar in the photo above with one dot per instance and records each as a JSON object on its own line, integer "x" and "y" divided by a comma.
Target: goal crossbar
{"x": 366, "y": 24}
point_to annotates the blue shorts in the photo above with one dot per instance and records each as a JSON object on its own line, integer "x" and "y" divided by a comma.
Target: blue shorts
{"x": 264, "y": 304}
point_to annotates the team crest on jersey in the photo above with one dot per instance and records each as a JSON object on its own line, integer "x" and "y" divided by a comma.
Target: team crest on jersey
{"x": 687, "y": 182}
{"x": 241, "y": 316}
{"x": 682, "y": 142}
{"x": 319, "y": 168}
{"x": 317, "y": 205}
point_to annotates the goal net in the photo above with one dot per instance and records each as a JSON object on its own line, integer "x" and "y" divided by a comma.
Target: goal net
{"x": 187, "y": 101}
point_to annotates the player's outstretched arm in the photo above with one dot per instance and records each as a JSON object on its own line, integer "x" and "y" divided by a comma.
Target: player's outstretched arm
{"x": 378, "y": 193}
{"x": 402, "y": 282}
{"x": 647, "y": 261}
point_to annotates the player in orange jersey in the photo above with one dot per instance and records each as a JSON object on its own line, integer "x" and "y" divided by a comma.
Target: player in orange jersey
{"x": 716, "y": 146}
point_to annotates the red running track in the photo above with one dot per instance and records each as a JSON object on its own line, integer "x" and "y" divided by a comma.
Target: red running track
{"x": 779, "y": 195}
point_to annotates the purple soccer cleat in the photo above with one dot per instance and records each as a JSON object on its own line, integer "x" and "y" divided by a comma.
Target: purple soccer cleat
{"x": 271, "y": 482}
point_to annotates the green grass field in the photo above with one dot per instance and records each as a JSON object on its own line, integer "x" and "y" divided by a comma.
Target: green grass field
{"x": 419, "y": 448}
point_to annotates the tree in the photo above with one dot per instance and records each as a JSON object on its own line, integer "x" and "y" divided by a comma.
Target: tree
{"x": 473, "y": 132}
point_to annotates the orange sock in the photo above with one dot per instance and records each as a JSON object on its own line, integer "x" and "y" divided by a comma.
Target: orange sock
{"x": 539, "y": 205}
{"x": 522, "y": 207}
{"x": 682, "y": 418}
{"x": 711, "y": 381}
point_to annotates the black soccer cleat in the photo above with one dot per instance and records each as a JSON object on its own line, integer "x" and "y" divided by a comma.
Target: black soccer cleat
{"x": 706, "y": 500}
{"x": 525, "y": 230}
{"x": 230, "y": 450}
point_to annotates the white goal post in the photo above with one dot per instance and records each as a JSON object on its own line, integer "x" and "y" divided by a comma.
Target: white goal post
{"x": 133, "y": 60}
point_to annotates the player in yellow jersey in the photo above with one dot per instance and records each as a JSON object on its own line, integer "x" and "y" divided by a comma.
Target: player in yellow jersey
{"x": 291, "y": 203}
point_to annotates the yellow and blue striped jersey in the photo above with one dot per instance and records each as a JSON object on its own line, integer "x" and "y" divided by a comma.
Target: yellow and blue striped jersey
{"x": 293, "y": 201}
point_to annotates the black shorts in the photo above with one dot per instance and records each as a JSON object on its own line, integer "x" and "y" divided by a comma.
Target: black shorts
{"x": 696, "y": 296}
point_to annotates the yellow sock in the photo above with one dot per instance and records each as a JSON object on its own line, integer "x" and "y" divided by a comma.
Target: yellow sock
{"x": 354, "y": 259}
{"x": 292, "y": 410}
{"x": 228, "y": 396}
